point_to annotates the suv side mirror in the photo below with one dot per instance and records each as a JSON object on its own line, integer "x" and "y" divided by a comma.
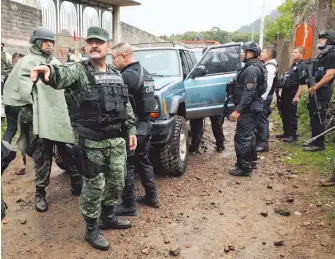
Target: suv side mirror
{"x": 199, "y": 71}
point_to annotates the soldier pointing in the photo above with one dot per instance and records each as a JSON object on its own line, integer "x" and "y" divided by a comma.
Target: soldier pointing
{"x": 100, "y": 115}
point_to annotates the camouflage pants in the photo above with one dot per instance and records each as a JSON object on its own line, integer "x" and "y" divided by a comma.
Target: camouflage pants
{"x": 43, "y": 154}
{"x": 106, "y": 188}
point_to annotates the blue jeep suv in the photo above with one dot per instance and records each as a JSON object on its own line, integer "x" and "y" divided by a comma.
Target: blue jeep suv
{"x": 184, "y": 89}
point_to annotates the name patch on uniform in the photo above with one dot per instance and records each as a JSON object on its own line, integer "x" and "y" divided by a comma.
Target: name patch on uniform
{"x": 149, "y": 86}
{"x": 107, "y": 79}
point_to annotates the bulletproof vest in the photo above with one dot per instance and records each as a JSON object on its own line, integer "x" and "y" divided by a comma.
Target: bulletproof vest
{"x": 100, "y": 112}
{"x": 70, "y": 58}
{"x": 261, "y": 87}
{"x": 144, "y": 98}
{"x": 291, "y": 76}
{"x": 319, "y": 71}
{"x": 275, "y": 79}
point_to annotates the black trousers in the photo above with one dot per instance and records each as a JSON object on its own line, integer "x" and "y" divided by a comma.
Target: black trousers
{"x": 324, "y": 95}
{"x": 262, "y": 129}
{"x": 12, "y": 114}
{"x": 245, "y": 139}
{"x": 289, "y": 112}
{"x": 197, "y": 132}
{"x": 139, "y": 161}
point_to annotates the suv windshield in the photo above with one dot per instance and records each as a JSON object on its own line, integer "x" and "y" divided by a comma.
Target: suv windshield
{"x": 160, "y": 62}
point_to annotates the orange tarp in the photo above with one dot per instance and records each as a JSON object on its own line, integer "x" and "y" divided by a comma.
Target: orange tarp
{"x": 304, "y": 38}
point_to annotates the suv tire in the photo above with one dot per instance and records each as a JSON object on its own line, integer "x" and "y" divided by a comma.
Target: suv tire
{"x": 173, "y": 156}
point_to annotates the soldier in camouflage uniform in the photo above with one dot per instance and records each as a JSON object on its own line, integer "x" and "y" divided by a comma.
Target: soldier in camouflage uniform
{"x": 101, "y": 115}
{"x": 43, "y": 117}
{"x": 6, "y": 59}
{"x": 330, "y": 118}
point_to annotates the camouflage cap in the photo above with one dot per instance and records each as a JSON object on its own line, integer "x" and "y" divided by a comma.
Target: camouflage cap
{"x": 97, "y": 33}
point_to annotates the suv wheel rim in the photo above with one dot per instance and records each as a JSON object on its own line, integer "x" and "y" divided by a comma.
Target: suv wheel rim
{"x": 182, "y": 145}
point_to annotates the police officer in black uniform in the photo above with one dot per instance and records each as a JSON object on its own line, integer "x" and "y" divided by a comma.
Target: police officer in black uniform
{"x": 141, "y": 91}
{"x": 197, "y": 125}
{"x": 290, "y": 96}
{"x": 324, "y": 73}
{"x": 251, "y": 83}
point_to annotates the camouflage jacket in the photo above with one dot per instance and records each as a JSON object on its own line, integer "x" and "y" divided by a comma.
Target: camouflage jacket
{"x": 6, "y": 61}
{"x": 75, "y": 80}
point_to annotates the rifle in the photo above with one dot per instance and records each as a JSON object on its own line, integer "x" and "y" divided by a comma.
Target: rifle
{"x": 320, "y": 135}
{"x": 224, "y": 109}
{"x": 310, "y": 80}
{"x": 229, "y": 92}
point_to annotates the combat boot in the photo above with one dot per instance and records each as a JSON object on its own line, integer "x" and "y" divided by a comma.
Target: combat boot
{"x": 220, "y": 148}
{"x": 314, "y": 148}
{"x": 126, "y": 209}
{"x": 263, "y": 148}
{"x": 150, "y": 198}
{"x": 290, "y": 139}
{"x": 40, "y": 201}
{"x": 236, "y": 171}
{"x": 329, "y": 181}
{"x": 108, "y": 219}
{"x": 93, "y": 235}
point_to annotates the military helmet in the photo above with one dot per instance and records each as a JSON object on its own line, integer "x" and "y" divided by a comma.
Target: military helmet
{"x": 41, "y": 33}
{"x": 252, "y": 46}
{"x": 330, "y": 35}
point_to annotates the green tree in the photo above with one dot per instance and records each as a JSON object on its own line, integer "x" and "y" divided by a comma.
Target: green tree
{"x": 281, "y": 27}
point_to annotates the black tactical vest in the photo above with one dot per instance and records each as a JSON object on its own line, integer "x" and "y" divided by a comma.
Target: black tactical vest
{"x": 100, "y": 112}
{"x": 144, "y": 98}
{"x": 319, "y": 71}
{"x": 275, "y": 79}
{"x": 291, "y": 76}
{"x": 239, "y": 89}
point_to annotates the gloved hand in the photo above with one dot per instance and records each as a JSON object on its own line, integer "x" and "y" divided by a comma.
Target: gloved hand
{"x": 234, "y": 116}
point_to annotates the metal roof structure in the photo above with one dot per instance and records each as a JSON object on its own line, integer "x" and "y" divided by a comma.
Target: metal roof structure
{"x": 106, "y": 3}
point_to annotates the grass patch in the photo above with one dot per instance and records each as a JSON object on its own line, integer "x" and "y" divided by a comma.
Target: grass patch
{"x": 322, "y": 162}
{"x": 331, "y": 215}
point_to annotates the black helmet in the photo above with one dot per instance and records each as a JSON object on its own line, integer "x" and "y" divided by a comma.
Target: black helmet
{"x": 252, "y": 46}
{"x": 330, "y": 35}
{"x": 41, "y": 33}
{"x": 71, "y": 50}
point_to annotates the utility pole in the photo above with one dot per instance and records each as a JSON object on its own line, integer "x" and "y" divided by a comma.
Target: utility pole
{"x": 253, "y": 31}
{"x": 261, "y": 33}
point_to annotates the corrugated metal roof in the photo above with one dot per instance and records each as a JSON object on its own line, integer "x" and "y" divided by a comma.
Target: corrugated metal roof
{"x": 106, "y": 3}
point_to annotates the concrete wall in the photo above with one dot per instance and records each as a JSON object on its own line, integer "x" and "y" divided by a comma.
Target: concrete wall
{"x": 17, "y": 21}
{"x": 134, "y": 35}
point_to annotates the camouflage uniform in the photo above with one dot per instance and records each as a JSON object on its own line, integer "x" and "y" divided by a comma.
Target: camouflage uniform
{"x": 43, "y": 118}
{"x": 103, "y": 161}
{"x": 110, "y": 152}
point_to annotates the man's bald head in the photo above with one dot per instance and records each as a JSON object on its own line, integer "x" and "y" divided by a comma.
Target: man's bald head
{"x": 122, "y": 54}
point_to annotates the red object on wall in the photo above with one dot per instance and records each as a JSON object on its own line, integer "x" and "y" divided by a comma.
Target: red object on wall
{"x": 304, "y": 38}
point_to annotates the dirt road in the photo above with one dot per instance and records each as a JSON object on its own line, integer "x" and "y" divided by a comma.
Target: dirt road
{"x": 201, "y": 214}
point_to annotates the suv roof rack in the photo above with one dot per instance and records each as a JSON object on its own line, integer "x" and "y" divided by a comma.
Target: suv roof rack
{"x": 158, "y": 44}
